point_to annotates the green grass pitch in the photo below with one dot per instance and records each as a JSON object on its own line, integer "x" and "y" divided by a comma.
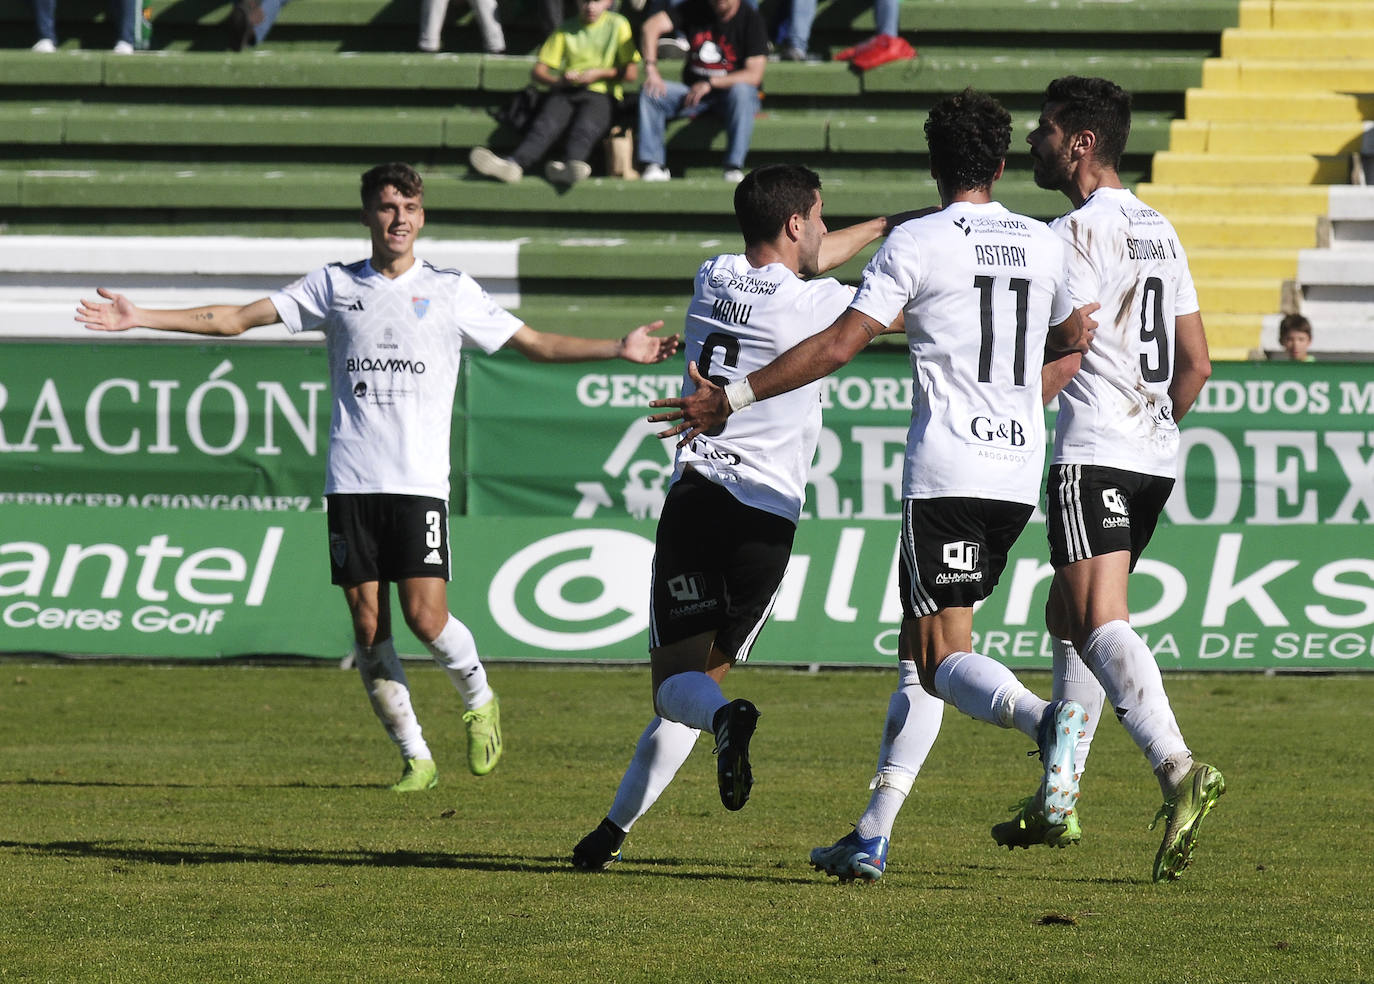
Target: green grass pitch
{"x": 231, "y": 823}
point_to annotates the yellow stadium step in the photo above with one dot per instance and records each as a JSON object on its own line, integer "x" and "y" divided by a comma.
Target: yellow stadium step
{"x": 1232, "y": 337}
{"x": 1222, "y": 231}
{"x": 1278, "y": 45}
{"x": 1233, "y": 169}
{"x": 1238, "y": 296}
{"x": 1265, "y": 137}
{"x": 1220, "y": 264}
{"x": 1281, "y": 77}
{"x": 1176, "y": 200}
{"x": 1223, "y": 105}
{"x": 1307, "y": 15}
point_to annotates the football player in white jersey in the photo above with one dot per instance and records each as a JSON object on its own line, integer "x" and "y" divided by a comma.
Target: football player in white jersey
{"x": 980, "y": 288}
{"x": 1116, "y": 449}
{"x": 726, "y": 531}
{"x": 395, "y": 328}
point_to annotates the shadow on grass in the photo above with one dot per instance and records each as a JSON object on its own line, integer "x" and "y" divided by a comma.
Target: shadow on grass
{"x": 293, "y": 784}
{"x": 206, "y": 854}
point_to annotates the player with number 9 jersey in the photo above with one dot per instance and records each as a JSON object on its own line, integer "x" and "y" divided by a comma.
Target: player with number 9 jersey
{"x": 1116, "y": 411}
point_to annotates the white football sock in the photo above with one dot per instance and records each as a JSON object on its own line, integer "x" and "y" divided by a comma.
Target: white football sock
{"x": 912, "y": 725}
{"x": 1074, "y": 681}
{"x": 385, "y": 682}
{"x": 659, "y": 753}
{"x": 984, "y": 689}
{"x": 456, "y": 651}
{"x": 690, "y": 698}
{"x": 1130, "y": 676}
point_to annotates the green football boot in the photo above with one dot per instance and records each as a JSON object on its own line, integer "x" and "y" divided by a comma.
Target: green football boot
{"x": 1196, "y": 795}
{"x": 483, "y": 725}
{"x": 419, "y": 775}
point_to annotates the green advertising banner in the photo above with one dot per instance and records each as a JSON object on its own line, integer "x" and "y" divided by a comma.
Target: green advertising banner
{"x": 201, "y": 585}
{"x": 181, "y": 426}
{"x": 164, "y": 500}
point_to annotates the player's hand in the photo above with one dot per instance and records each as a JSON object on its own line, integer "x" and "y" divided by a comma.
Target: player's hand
{"x": 119, "y": 315}
{"x": 695, "y": 414}
{"x": 642, "y": 347}
{"x": 1085, "y": 326}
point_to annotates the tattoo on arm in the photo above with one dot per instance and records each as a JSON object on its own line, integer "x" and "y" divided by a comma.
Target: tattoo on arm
{"x": 205, "y": 316}
{"x": 872, "y": 329}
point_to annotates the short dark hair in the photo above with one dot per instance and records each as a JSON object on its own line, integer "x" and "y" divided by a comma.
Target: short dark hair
{"x": 769, "y": 196}
{"x": 1097, "y": 105}
{"x": 1294, "y": 322}
{"x": 400, "y": 176}
{"x": 968, "y": 135}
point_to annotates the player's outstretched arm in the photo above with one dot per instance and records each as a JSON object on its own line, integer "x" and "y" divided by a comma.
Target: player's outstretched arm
{"x": 708, "y": 407}
{"x": 640, "y": 346}
{"x": 121, "y": 314}
{"x": 839, "y": 246}
{"x": 1192, "y": 363}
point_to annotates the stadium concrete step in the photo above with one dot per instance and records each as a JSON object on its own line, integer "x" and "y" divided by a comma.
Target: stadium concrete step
{"x": 1307, "y": 15}
{"x": 315, "y": 188}
{"x": 1222, "y": 231}
{"x": 1350, "y": 217}
{"x": 938, "y": 70}
{"x": 1270, "y": 138}
{"x": 1253, "y": 200}
{"x": 1285, "y": 76}
{"x": 1296, "y": 106}
{"x": 1240, "y": 295}
{"x": 73, "y": 123}
{"x": 1224, "y": 170}
{"x": 1233, "y": 337}
{"x": 1225, "y": 264}
{"x": 1280, "y": 45}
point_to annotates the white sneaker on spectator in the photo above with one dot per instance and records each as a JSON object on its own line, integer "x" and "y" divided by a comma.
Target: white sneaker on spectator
{"x": 733, "y": 175}
{"x": 493, "y": 166}
{"x": 123, "y": 48}
{"x": 567, "y": 172}
{"x": 44, "y": 46}
{"x": 654, "y": 172}
{"x": 673, "y": 47}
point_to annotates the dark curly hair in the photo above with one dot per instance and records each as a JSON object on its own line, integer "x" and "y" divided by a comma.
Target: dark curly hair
{"x": 402, "y": 177}
{"x": 1092, "y": 104}
{"x": 769, "y": 196}
{"x": 968, "y": 135}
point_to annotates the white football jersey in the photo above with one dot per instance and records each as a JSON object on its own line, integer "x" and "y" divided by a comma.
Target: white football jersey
{"x": 740, "y": 319}
{"x": 394, "y": 348}
{"x": 1116, "y": 411}
{"x": 980, "y": 287}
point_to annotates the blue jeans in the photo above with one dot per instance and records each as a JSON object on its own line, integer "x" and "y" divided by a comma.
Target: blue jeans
{"x": 804, "y": 14}
{"x": 123, "y": 13}
{"x": 737, "y": 104}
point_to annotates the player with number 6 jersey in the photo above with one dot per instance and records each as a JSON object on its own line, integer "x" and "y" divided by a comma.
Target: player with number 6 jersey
{"x": 725, "y": 535}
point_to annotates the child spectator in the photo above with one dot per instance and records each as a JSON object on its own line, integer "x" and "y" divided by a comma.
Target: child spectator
{"x": 585, "y": 61}
{"x": 1295, "y": 335}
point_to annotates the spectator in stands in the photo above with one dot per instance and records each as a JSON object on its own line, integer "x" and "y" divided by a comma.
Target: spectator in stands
{"x": 1295, "y": 335}
{"x": 123, "y": 13}
{"x": 584, "y": 61}
{"x": 877, "y": 50}
{"x": 432, "y": 13}
{"x": 250, "y": 20}
{"x": 723, "y": 73}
